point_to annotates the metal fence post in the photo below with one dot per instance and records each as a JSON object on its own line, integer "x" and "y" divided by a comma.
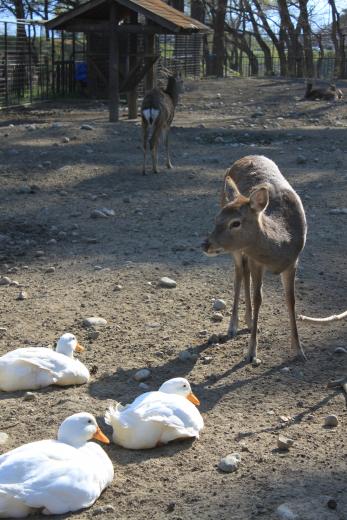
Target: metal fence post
{"x": 6, "y": 65}
{"x": 30, "y": 66}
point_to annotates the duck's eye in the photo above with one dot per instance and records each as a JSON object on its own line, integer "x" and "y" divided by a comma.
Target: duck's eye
{"x": 234, "y": 224}
{"x": 90, "y": 421}
{"x": 184, "y": 386}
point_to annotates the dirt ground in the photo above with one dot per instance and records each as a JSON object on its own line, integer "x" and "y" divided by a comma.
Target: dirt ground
{"x": 50, "y": 185}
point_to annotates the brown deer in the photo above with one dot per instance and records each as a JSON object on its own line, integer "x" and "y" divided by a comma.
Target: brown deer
{"x": 262, "y": 224}
{"x": 330, "y": 93}
{"x": 157, "y": 113}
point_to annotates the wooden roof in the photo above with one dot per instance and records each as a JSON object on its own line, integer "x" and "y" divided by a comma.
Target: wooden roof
{"x": 156, "y": 11}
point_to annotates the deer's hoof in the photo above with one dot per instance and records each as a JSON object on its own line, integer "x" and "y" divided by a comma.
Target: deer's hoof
{"x": 253, "y": 360}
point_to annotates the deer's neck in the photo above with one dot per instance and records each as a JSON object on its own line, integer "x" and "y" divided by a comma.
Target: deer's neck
{"x": 174, "y": 95}
{"x": 273, "y": 245}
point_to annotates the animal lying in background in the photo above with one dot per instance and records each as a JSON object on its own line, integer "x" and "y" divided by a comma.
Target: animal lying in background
{"x": 324, "y": 321}
{"x": 56, "y": 476}
{"x": 156, "y": 418}
{"x": 262, "y": 224}
{"x": 330, "y": 93}
{"x": 30, "y": 368}
{"x": 157, "y": 113}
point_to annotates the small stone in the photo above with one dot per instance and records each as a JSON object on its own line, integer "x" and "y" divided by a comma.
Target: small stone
{"x": 4, "y": 437}
{"x": 167, "y": 282}
{"x": 118, "y": 287}
{"x": 285, "y": 370}
{"x": 332, "y": 504}
{"x": 219, "y": 305}
{"x": 217, "y": 316}
{"x": 331, "y": 421}
{"x": 66, "y": 140}
{"x": 50, "y": 270}
{"x": 39, "y": 253}
{"x": 142, "y": 374}
{"x": 5, "y": 280}
{"x": 284, "y": 443}
{"x": 144, "y": 386}
{"x": 219, "y": 139}
{"x": 338, "y": 211}
{"x": 98, "y": 267}
{"x": 285, "y": 513}
{"x": 301, "y": 159}
{"x": 340, "y": 350}
{"x": 14, "y": 283}
{"x": 94, "y": 321}
{"x": 108, "y": 508}
{"x": 171, "y": 507}
{"x": 29, "y": 396}
{"x": 23, "y": 295}
{"x": 87, "y": 127}
{"x": 230, "y": 463}
{"x": 97, "y": 213}
{"x": 108, "y": 212}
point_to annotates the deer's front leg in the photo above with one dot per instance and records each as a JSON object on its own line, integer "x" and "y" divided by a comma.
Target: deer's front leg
{"x": 257, "y": 273}
{"x": 288, "y": 281}
{"x": 247, "y": 288}
{"x": 234, "y": 321}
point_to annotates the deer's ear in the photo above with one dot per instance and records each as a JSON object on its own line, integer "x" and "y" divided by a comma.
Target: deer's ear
{"x": 259, "y": 199}
{"x": 230, "y": 189}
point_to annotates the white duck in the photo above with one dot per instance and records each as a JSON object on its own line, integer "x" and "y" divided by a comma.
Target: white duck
{"x": 30, "y": 368}
{"x": 156, "y": 418}
{"x": 56, "y": 476}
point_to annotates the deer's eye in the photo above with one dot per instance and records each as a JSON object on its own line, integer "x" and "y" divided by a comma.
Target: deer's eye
{"x": 234, "y": 224}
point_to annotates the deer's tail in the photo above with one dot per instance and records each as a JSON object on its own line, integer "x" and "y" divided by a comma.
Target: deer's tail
{"x": 150, "y": 115}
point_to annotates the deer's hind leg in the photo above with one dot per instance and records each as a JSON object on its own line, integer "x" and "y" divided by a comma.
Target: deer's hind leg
{"x": 153, "y": 144}
{"x": 168, "y": 161}
{"x": 288, "y": 281}
{"x": 145, "y": 139}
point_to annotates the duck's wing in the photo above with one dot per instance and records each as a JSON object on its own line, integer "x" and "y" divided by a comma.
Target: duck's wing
{"x": 170, "y": 410}
{"x": 51, "y": 475}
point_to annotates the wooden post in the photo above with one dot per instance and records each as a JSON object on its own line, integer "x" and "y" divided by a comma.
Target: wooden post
{"x": 149, "y": 82}
{"x": 113, "y": 65}
{"x": 132, "y": 50}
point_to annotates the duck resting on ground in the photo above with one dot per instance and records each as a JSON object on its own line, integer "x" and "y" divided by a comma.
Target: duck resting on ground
{"x": 56, "y": 476}
{"x": 156, "y": 418}
{"x": 30, "y": 368}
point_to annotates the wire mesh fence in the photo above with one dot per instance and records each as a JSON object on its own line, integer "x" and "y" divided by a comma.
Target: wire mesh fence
{"x": 39, "y": 64}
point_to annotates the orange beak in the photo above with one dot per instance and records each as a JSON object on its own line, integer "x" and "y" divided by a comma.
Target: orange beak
{"x": 193, "y": 399}
{"x": 101, "y": 436}
{"x": 79, "y": 348}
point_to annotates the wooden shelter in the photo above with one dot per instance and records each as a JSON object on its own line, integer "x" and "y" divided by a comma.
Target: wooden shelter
{"x": 119, "y": 25}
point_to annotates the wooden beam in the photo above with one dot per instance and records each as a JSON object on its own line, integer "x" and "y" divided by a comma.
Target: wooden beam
{"x": 104, "y": 26}
{"x": 113, "y": 65}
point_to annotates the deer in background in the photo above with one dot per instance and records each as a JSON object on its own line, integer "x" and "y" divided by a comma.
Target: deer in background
{"x": 262, "y": 224}
{"x": 157, "y": 113}
{"x": 330, "y": 93}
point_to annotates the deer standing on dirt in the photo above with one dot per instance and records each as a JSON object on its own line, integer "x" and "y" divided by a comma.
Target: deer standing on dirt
{"x": 330, "y": 93}
{"x": 157, "y": 113}
{"x": 262, "y": 224}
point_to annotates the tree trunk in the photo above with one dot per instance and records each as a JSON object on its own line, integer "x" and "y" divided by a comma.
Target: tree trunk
{"x": 290, "y": 37}
{"x": 306, "y": 29}
{"x": 262, "y": 44}
{"x": 338, "y": 39}
{"x": 218, "y": 38}
{"x": 278, "y": 43}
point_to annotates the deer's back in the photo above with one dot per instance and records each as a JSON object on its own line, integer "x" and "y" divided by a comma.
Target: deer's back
{"x": 284, "y": 203}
